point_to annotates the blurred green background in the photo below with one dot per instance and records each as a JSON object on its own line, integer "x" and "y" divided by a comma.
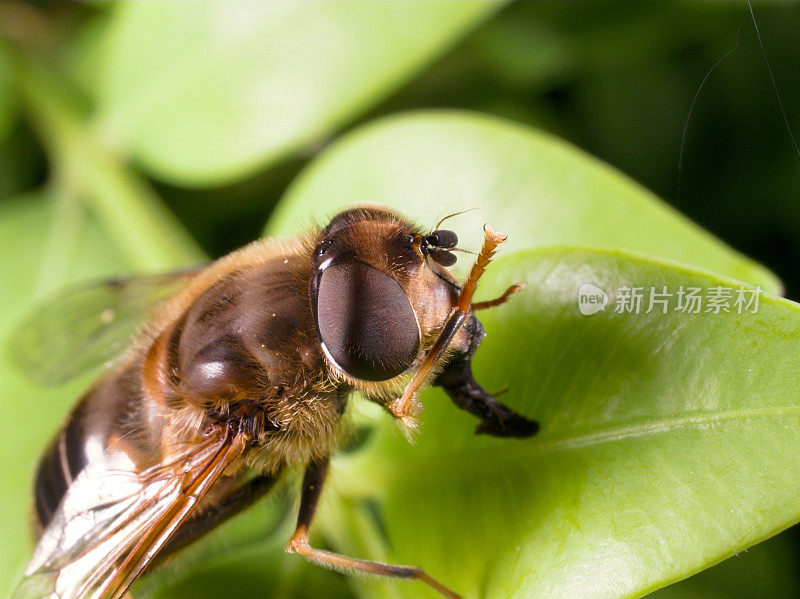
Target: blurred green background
{"x": 616, "y": 79}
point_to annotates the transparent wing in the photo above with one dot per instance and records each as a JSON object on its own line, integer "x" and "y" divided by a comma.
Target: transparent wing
{"x": 87, "y": 325}
{"x": 113, "y": 521}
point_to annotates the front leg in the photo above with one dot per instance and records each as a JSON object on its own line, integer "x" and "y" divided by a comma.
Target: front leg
{"x": 312, "y": 489}
{"x": 496, "y": 419}
{"x": 499, "y": 301}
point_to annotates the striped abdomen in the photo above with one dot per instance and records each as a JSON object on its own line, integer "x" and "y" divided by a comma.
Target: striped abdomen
{"x": 107, "y": 411}
{"x": 58, "y": 467}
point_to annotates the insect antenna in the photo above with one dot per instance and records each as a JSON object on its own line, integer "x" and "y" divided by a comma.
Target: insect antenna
{"x": 444, "y": 218}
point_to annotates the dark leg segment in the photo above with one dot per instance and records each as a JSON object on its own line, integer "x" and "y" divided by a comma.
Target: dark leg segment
{"x": 496, "y": 419}
{"x": 312, "y": 488}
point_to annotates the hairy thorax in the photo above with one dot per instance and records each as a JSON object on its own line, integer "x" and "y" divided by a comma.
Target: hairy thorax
{"x": 243, "y": 350}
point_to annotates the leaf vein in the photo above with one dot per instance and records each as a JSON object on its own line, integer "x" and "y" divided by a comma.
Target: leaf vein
{"x": 659, "y": 425}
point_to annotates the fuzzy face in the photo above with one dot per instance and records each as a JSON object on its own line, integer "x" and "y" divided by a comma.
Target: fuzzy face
{"x": 377, "y": 300}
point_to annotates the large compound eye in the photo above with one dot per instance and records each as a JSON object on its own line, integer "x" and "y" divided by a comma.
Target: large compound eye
{"x": 366, "y": 322}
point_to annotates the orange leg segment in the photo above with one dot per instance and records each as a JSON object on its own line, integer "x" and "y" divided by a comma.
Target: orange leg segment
{"x": 405, "y": 409}
{"x": 500, "y": 300}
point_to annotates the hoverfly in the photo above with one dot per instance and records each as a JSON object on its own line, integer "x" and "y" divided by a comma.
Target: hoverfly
{"x": 242, "y": 372}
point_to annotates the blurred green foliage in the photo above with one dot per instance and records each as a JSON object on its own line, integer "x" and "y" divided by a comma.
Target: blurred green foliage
{"x": 144, "y": 136}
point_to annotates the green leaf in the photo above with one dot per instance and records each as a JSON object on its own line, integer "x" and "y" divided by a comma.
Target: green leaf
{"x": 8, "y": 98}
{"x": 136, "y": 219}
{"x": 84, "y": 52}
{"x": 538, "y": 189}
{"x": 767, "y": 570}
{"x": 259, "y": 573}
{"x": 669, "y": 441}
{"x": 203, "y": 94}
